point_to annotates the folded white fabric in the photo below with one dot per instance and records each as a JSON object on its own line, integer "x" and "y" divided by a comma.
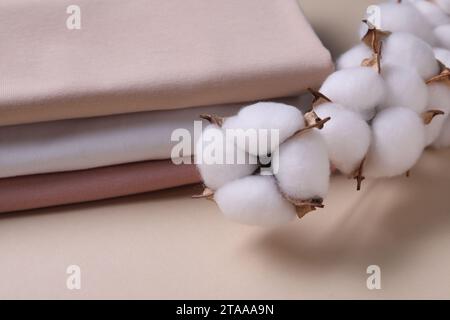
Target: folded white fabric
{"x": 77, "y": 144}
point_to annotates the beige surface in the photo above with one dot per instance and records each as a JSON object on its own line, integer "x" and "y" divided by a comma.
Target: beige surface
{"x": 166, "y": 245}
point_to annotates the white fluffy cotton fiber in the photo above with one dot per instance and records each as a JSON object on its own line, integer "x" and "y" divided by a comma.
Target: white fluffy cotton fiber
{"x": 443, "y": 55}
{"x": 404, "y": 87}
{"x": 404, "y": 49}
{"x": 259, "y": 119}
{"x": 403, "y": 17}
{"x": 432, "y": 13}
{"x": 442, "y": 34}
{"x": 254, "y": 200}
{"x": 359, "y": 89}
{"x": 353, "y": 57}
{"x": 398, "y": 137}
{"x": 347, "y": 136}
{"x": 302, "y": 167}
{"x": 217, "y": 156}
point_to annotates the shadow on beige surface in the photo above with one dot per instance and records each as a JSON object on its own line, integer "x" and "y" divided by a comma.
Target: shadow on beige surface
{"x": 167, "y": 245}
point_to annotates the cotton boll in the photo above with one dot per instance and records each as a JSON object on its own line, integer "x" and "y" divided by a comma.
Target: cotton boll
{"x": 443, "y": 141}
{"x": 347, "y": 136}
{"x": 353, "y": 57}
{"x": 443, "y": 55}
{"x": 402, "y": 17}
{"x": 260, "y": 119}
{"x": 432, "y": 13}
{"x": 302, "y": 167}
{"x": 359, "y": 89}
{"x": 217, "y": 156}
{"x": 404, "y": 87}
{"x": 444, "y": 5}
{"x": 404, "y": 49}
{"x": 255, "y": 200}
{"x": 398, "y": 136}
{"x": 439, "y": 98}
{"x": 443, "y": 35}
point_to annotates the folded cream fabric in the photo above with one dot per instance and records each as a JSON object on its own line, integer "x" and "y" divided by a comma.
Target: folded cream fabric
{"x": 46, "y": 190}
{"x": 138, "y": 55}
{"x": 77, "y": 144}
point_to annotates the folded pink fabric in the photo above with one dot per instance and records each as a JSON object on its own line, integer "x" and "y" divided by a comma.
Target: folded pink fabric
{"x": 138, "y": 55}
{"x": 46, "y": 190}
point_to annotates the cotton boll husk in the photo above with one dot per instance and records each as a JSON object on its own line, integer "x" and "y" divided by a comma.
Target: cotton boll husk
{"x": 359, "y": 89}
{"x": 404, "y": 49}
{"x": 443, "y": 55}
{"x": 302, "y": 167}
{"x": 404, "y": 87}
{"x": 439, "y": 98}
{"x": 254, "y": 200}
{"x": 398, "y": 137}
{"x": 443, "y": 4}
{"x": 353, "y": 57}
{"x": 443, "y": 141}
{"x": 347, "y": 136}
{"x": 432, "y": 13}
{"x": 263, "y": 117}
{"x": 443, "y": 35}
{"x": 217, "y": 173}
{"x": 403, "y": 17}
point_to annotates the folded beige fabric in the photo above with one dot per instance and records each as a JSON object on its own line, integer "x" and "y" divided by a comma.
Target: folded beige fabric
{"x": 138, "y": 55}
{"x": 46, "y": 190}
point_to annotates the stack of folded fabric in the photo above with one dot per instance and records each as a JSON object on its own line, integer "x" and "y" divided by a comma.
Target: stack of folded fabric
{"x": 88, "y": 114}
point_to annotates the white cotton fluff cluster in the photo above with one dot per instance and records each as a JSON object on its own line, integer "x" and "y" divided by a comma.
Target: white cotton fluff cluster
{"x": 443, "y": 4}
{"x": 439, "y": 98}
{"x": 404, "y": 49}
{"x": 263, "y": 117}
{"x": 359, "y": 89}
{"x": 255, "y": 200}
{"x": 432, "y": 13}
{"x": 402, "y": 17}
{"x": 443, "y": 55}
{"x": 443, "y": 141}
{"x": 302, "y": 166}
{"x": 442, "y": 34}
{"x": 404, "y": 87}
{"x": 353, "y": 57}
{"x": 212, "y": 150}
{"x": 347, "y": 136}
{"x": 398, "y": 136}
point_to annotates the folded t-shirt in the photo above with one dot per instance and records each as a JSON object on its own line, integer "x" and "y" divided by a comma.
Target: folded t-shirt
{"x": 139, "y": 55}
{"x": 46, "y": 190}
{"x": 78, "y": 144}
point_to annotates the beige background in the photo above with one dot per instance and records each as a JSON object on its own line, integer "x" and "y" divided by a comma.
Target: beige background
{"x": 166, "y": 245}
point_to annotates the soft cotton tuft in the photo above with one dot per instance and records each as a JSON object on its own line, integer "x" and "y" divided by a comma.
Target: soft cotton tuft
{"x": 404, "y": 49}
{"x": 215, "y": 143}
{"x": 347, "y": 136}
{"x": 404, "y": 87}
{"x": 404, "y": 17}
{"x": 442, "y": 34}
{"x": 302, "y": 166}
{"x": 359, "y": 89}
{"x": 264, "y": 117}
{"x": 398, "y": 137}
{"x": 353, "y": 57}
{"x": 254, "y": 200}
